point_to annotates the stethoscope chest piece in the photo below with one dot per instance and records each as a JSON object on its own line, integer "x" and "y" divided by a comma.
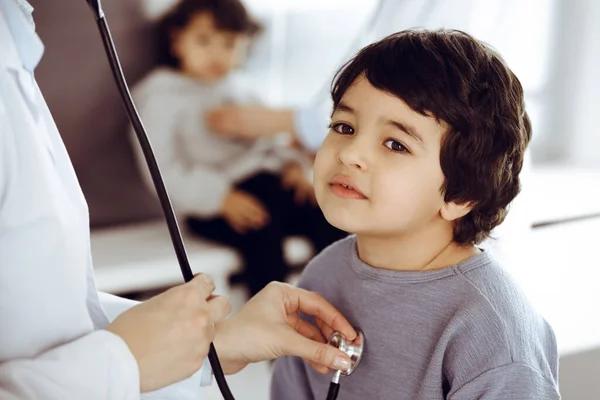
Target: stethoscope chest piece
{"x": 354, "y": 350}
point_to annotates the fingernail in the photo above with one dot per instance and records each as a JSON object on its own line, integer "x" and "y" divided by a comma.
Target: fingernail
{"x": 342, "y": 364}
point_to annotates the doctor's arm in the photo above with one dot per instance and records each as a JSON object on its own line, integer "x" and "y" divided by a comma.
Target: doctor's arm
{"x": 148, "y": 347}
{"x": 308, "y": 125}
{"x": 95, "y": 366}
{"x": 267, "y": 327}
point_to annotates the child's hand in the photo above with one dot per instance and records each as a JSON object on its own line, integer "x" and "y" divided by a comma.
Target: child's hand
{"x": 244, "y": 212}
{"x": 294, "y": 178}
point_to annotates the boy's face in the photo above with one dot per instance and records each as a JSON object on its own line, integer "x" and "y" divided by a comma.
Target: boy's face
{"x": 206, "y": 52}
{"x": 388, "y": 155}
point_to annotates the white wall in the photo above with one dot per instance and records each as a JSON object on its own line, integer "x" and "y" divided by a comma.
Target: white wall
{"x": 579, "y": 376}
{"x": 575, "y": 88}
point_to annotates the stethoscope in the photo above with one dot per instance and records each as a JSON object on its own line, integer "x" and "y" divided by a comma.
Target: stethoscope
{"x": 354, "y": 349}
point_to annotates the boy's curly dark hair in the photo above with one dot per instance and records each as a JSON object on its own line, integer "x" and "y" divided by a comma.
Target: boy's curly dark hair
{"x": 455, "y": 78}
{"x": 229, "y": 15}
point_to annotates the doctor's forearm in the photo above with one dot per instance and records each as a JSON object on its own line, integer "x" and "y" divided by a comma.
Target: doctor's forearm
{"x": 96, "y": 366}
{"x": 229, "y": 345}
{"x": 286, "y": 121}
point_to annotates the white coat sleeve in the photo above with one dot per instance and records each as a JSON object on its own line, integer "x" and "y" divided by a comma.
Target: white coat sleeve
{"x": 96, "y": 366}
{"x": 187, "y": 389}
{"x": 310, "y": 124}
{"x": 194, "y": 189}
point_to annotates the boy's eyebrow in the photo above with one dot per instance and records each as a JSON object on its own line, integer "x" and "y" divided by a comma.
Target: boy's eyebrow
{"x": 343, "y": 107}
{"x": 409, "y": 130}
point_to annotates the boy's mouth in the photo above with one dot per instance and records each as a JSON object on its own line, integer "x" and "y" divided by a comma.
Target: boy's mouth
{"x": 343, "y": 187}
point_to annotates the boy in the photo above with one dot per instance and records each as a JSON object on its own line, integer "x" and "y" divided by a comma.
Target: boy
{"x": 427, "y": 140}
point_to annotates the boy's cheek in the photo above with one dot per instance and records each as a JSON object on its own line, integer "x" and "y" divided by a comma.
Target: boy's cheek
{"x": 319, "y": 168}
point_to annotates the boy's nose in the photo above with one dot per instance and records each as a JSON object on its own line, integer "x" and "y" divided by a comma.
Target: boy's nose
{"x": 353, "y": 154}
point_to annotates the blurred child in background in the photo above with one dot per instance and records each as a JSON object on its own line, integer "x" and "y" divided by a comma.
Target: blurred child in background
{"x": 246, "y": 193}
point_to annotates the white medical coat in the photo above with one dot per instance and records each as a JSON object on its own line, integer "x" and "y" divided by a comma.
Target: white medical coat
{"x": 52, "y": 342}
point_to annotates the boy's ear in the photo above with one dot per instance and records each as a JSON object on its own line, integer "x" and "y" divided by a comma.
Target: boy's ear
{"x": 452, "y": 211}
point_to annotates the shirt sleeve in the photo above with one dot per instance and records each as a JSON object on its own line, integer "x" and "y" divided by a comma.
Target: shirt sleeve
{"x": 513, "y": 381}
{"x": 97, "y": 366}
{"x": 195, "y": 189}
{"x": 310, "y": 123}
{"x": 188, "y": 389}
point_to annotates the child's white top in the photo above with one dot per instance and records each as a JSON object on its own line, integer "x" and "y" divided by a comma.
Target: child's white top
{"x": 462, "y": 332}
{"x": 199, "y": 167}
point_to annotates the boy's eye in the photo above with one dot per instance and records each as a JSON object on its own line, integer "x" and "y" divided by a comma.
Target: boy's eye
{"x": 395, "y": 146}
{"x": 342, "y": 128}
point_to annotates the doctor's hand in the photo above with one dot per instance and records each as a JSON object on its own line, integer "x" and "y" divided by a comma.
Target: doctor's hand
{"x": 250, "y": 122}
{"x": 170, "y": 334}
{"x": 269, "y": 326}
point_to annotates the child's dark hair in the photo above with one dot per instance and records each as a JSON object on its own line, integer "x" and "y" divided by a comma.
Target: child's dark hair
{"x": 229, "y": 15}
{"x": 453, "y": 77}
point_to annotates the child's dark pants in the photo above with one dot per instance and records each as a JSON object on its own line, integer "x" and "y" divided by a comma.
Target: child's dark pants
{"x": 262, "y": 249}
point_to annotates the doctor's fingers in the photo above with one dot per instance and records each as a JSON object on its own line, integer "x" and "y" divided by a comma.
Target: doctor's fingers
{"x": 202, "y": 285}
{"x": 311, "y": 332}
{"x": 219, "y": 308}
{"x": 306, "y": 329}
{"x": 313, "y": 304}
{"x": 317, "y": 354}
{"x": 326, "y": 330}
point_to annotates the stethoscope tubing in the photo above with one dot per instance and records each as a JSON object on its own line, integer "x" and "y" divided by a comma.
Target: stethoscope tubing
{"x": 163, "y": 196}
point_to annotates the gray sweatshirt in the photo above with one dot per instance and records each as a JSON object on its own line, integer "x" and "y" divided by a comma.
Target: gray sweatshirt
{"x": 462, "y": 332}
{"x": 199, "y": 167}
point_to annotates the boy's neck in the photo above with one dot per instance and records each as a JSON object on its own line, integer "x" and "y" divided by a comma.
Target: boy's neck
{"x": 422, "y": 252}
